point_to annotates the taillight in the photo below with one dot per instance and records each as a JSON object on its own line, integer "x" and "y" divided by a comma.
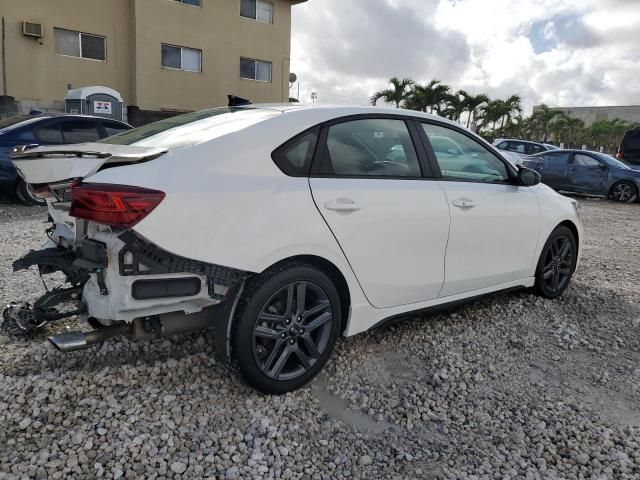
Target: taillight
{"x": 115, "y": 205}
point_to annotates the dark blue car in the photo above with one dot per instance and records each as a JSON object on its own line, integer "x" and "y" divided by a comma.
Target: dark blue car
{"x": 592, "y": 173}
{"x": 46, "y": 129}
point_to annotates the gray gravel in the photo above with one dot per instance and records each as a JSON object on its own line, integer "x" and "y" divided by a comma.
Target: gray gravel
{"x": 509, "y": 387}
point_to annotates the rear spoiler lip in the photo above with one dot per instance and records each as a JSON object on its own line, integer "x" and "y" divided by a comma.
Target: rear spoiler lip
{"x": 26, "y": 151}
{"x": 23, "y": 152}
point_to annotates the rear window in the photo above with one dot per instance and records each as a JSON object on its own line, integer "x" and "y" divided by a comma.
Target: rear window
{"x": 191, "y": 128}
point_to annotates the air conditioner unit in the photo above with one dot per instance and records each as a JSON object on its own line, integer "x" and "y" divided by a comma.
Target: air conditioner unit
{"x": 32, "y": 29}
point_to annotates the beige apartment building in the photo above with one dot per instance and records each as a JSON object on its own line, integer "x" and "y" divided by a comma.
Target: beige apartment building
{"x": 162, "y": 56}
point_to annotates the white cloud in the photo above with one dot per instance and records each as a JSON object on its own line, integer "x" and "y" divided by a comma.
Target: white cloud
{"x": 562, "y": 52}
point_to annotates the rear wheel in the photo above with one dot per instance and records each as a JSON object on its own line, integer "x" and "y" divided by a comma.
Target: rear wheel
{"x": 287, "y": 327}
{"x": 625, "y": 192}
{"x": 26, "y": 194}
{"x": 557, "y": 263}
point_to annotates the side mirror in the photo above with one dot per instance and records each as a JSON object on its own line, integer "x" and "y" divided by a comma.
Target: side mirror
{"x": 528, "y": 177}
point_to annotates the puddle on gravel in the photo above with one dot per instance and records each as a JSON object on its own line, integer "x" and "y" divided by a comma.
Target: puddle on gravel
{"x": 338, "y": 409}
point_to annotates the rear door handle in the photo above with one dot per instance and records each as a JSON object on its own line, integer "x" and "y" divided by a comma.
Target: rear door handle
{"x": 342, "y": 205}
{"x": 463, "y": 203}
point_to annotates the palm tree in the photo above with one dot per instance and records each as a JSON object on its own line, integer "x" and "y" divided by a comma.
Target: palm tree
{"x": 398, "y": 93}
{"x": 472, "y": 105}
{"x": 541, "y": 118}
{"x": 510, "y": 106}
{"x": 429, "y": 97}
{"x": 455, "y": 105}
{"x": 558, "y": 125}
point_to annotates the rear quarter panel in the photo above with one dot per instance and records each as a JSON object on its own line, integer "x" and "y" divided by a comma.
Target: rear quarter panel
{"x": 227, "y": 203}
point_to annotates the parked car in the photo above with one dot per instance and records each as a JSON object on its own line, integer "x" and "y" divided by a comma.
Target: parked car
{"x": 593, "y": 173}
{"x": 46, "y": 129}
{"x": 523, "y": 148}
{"x": 629, "y": 150}
{"x": 284, "y": 227}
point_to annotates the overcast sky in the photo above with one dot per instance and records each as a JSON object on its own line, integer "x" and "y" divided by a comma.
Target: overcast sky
{"x": 560, "y": 52}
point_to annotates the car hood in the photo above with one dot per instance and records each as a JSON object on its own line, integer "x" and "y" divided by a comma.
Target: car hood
{"x": 54, "y": 164}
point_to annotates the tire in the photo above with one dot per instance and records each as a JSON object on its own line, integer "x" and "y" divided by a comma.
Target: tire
{"x": 275, "y": 347}
{"x": 624, "y": 192}
{"x": 25, "y": 194}
{"x": 555, "y": 266}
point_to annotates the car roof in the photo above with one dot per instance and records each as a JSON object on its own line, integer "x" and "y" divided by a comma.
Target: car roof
{"x": 343, "y": 110}
{"x": 518, "y": 140}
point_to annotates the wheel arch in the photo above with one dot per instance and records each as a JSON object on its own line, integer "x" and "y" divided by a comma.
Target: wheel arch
{"x": 574, "y": 229}
{"x": 330, "y": 269}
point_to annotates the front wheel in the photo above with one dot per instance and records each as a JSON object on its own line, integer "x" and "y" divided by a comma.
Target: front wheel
{"x": 624, "y": 192}
{"x": 557, "y": 263}
{"x": 286, "y": 328}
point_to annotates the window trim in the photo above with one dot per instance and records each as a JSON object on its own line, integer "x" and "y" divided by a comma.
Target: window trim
{"x": 181, "y": 69}
{"x": 80, "y": 34}
{"x": 279, "y": 157}
{"x": 255, "y": 70}
{"x": 273, "y": 13}
{"x": 435, "y": 166}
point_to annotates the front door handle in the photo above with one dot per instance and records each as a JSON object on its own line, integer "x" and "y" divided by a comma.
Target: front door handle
{"x": 463, "y": 203}
{"x": 342, "y": 205}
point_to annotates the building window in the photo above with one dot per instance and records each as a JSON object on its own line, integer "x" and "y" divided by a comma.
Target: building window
{"x": 257, "y": 10}
{"x": 181, "y": 58}
{"x": 255, "y": 70}
{"x": 197, "y": 3}
{"x": 78, "y": 44}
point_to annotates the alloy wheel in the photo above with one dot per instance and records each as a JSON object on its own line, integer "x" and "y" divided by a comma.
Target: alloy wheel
{"x": 622, "y": 192}
{"x": 558, "y": 262}
{"x": 292, "y": 330}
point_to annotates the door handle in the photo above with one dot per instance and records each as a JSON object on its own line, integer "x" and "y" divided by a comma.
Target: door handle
{"x": 463, "y": 203}
{"x": 342, "y": 205}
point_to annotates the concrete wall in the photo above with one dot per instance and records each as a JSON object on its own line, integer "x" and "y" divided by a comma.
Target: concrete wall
{"x": 37, "y": 75}
{"x": 135, "y": 30}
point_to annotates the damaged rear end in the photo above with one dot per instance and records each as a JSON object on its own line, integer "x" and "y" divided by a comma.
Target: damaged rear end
{"x": 115, "y": 279}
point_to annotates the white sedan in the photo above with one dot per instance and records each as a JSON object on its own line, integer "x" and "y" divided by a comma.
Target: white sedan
{"x": 284, "y": 227}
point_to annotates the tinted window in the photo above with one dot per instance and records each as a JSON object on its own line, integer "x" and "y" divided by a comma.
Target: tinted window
{"x": 631, "y": 142}
{"x": 516, "y": 147}
{"x": 558, "y": 158}
{"x": 461, "y": 158}
{"x": 295, "y": 158}
{"x": 585, "y": 160}
{"x": 49, "y": 133}
{"x": 80, "y": 131}
{"x": 113, "y": 128}
{"x": 532, "y": 148}
{"x": 503, "y": 145}
{"x": 370, "y": 147}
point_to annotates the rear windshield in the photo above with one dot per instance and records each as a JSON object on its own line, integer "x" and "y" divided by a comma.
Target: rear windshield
{"x": 191, "y": 128}
{"x": 11, "y": 123}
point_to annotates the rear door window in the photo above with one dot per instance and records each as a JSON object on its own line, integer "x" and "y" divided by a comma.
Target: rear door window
{"x": 532, "y": 149}
{"x": 49, "y": 134}
{"x": 370, "y": 147}
{"x": 80, "y": 131}
{"x": 558, "y": 159}
{"x": 582, "y": 160}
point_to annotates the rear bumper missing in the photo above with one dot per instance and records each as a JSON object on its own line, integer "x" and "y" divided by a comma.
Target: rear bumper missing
{"x": 122, "y": 277}
{"x": 138, "y": 279}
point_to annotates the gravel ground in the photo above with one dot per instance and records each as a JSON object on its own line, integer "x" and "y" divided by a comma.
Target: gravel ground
{"x": 509, "y": 387}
